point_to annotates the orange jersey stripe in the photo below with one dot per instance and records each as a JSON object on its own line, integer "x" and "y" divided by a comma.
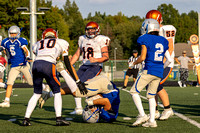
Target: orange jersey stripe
{"x": 54, "y": 74}
{"x": 99, "y": 72}
{"x": 162, "y": 81}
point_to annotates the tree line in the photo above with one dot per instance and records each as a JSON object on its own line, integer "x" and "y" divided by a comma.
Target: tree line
{"x": 70, "y": 24}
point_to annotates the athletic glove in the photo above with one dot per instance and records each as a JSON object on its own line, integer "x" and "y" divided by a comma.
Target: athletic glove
{"x": 82, "y": 87}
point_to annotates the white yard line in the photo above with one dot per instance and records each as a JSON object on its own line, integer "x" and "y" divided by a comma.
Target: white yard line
{"x": 2, "y": 91}
{"x": 193, "y": 122}
{"x": 5, "y": 91}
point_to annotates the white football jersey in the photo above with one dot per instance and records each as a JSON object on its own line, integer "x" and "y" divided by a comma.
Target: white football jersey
{"x": 92, "y": 47}
{"x": 50, "y": 49}
{"x": 169, "y": 31}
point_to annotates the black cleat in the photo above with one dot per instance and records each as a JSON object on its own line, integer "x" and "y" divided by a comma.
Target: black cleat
{"x": 26, "y": 122}
{"x": 61, "y": 122}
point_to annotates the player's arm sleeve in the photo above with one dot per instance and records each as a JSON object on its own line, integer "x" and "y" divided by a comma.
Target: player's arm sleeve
{"x": 69, "y": 68}
{"x": 169, "y": 58}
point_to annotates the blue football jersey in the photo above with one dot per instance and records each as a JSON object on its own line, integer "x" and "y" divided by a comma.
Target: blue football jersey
{"x": 17, "y": 56}
{"x": 156, "y": 48}
{"x": 115, "y": 101}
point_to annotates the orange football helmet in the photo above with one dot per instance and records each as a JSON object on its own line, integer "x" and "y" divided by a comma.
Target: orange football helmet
{"x": 92, "y": 25}
{"x": 154, "y": 14}
{"x": 49, "y": 32}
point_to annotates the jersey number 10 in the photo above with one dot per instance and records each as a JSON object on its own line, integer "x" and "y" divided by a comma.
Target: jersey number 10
{"x": 49, "y": 44}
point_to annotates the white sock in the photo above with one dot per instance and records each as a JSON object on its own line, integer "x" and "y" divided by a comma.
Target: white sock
{"x": 58, "y": 104}
{"x": 78, "y": 102}
{"x": 152, "y": 109}
{"x": 69, "y": 81}
{"x": 7, "y": 99}
{"x": 138, "y": 103}
{"x": 43, "y": 86}
{"x": 31, "y": 104}
{"x": 2, "y": 85}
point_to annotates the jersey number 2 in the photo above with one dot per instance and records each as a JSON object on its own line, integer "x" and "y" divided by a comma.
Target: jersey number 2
{"x": 158, "y": 52}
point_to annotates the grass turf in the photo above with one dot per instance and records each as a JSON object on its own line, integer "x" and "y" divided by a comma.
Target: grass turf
{"x": 183, "y": 100}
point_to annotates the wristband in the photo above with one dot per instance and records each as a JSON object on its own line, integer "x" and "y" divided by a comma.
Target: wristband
{"x": 77, "y": 80}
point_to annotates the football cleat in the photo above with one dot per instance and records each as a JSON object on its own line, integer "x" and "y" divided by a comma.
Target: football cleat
{"x": 26, "y": 122}
{"x": 77, "y": 111}
{"x": 45, "y": 96}
{"x": 140, "y": 120}
{"x": 61, "y": 122}
{"x": 166, "y": 114}
{"x": 124, "y": 88}
{"x": 150, "y": 124}
{"x": 157, "y": 114}
{"x": 5, "y": 104}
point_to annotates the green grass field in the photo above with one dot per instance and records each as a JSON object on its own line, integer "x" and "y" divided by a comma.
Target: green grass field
{"x": 183, "y": 100}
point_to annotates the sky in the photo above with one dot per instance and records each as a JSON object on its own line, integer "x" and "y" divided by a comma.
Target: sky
{"x": 129, "y": 7}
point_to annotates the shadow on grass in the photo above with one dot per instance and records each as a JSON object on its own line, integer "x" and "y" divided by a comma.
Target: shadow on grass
{"x": 187, "y": 109}
{"x": 19, "y": 119}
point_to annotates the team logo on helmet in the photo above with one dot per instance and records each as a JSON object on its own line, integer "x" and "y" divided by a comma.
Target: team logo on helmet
{"x": 149, "y": 25}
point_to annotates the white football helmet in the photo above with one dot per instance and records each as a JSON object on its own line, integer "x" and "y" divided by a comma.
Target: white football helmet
{"x": 149, "y": 25}
{"x": 14, "y": 29}
{"x": 91, "y": 114}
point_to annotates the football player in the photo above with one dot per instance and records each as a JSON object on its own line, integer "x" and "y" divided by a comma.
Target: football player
{"x": 18, "y": 53}
{"x": 110, "y": 103}
{"x": 93, "y": 48}
{"x": 100, "y": 84}
{"x": 154, "y": 48}
{"x": 169, "y": 32}
{"x": 47, "y": 51}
